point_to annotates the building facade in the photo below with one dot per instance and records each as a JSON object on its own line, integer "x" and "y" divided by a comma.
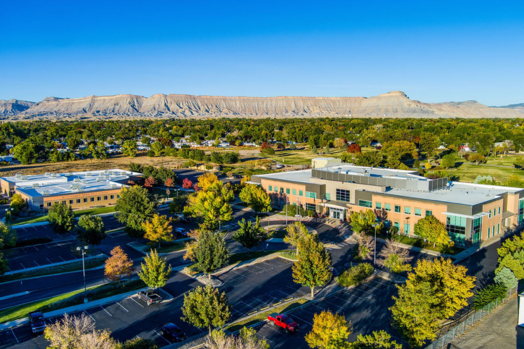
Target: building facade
{"x": 471, "y": 212}
{"x": 80, "y": 190}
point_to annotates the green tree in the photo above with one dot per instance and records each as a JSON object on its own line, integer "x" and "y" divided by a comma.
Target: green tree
{"x": 139, "y": 343}
{"x": 433, "y": 230}
{"x": 313, "y": 268}
{"x": 362, "y": 222}
{"x": 61, "y": 217}
{"x": 295, "y": 232}
{"x": 377, "y": 340}
{"x": 25, "y": 152}
{"x": 513, "y": 264}
{"x": 206, "y": 307}
{"x": 506, "y": 277}
{"x": 154, "y": 271}
{"x": 212, "y": 204}
{"x": 250, "y": 235}
{"x": 129, "y": 148}
{"x": 158, "y": 229}
{"x": 246, "y": 339}
{"x": 256, "y": 197}
{"x": 157, "y": 148}
{"x": 91, "y": 229}
{"x": 135, "y": 206}
{"x": 395, "y": 258}
{"x": 329, "y": 331}
{"x": 17, "y": 203}
{"x": 448, "y": 161}
{"x": 8, "y": 236}
{"x": 210, "y": 252}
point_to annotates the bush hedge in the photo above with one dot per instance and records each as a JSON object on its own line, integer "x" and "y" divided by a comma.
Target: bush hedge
{"x": 355, "y": 275}
{"x": 489, "y": 294}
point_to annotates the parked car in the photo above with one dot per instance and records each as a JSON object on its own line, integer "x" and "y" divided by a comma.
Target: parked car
{"x": 184, "y": 220}
{"x": 181, "y": 231}
{"x": 279, "y": 166}
{"x": 284, "y": 321}
{"x": 172, "y": 333}
{"x": 37, "y": 321}
{"x": 149, "y": 297}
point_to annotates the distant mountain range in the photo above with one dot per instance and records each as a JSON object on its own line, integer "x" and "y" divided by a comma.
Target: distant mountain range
{"x": 393, "y": 104}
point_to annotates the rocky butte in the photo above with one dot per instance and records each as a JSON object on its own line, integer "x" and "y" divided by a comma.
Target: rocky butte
{"x": 393, "y": 104}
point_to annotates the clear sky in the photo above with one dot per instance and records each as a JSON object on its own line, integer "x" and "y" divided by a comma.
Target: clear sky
{"x": 435, "y": 51}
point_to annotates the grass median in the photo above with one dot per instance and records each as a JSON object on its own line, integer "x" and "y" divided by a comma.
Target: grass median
{"x": 91, "y": 211}
{"x": 69, "y": 299}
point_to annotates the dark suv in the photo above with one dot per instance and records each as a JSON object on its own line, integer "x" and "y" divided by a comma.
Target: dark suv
{"x": 172, "y": 333}
{"x": 37, "y": 321}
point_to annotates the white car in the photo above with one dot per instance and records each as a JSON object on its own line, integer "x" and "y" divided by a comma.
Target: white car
{"x": 279, "y": 166}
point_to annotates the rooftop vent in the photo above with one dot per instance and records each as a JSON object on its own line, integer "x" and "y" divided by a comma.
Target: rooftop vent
{"x": 36, "y": 185}
{"x": 75, "y": 187}
{"x": 45, "y": 192}
{"x": 18, "y": 176}
{"x": 114, "y": 186}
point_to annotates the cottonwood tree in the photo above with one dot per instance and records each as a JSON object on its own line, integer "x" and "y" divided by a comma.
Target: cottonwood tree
{"x": 129, "y": 148}
{"x": 17, "y": 204}
{"x": 395, "y": 258}
{"x": 155, "y": 271}
{"x": 313, "y": 268}
{"x": 212, "y": 204}
{"x": 433, "y": 230}
{"x": 210, "y": 252}
{"x": 433, "y": 292}
{"x": 61, "y": 217}
{"x": 329, "y": 331}
{"x": 206, "y": 180}
{"x": 363, "y": 221}
{"x": 256, "y": 197}
{"x": 91, "y": 230}
{"x": 135, "y": 206}
{"x": 295, "y": 232}
{"x": 206, "y": 307}
{"x": 250, "y": 235}
{"x": 118, "y": 265}
{"x": 8, "y": 236}
{"x": 377, "y": 340}
{"x": 158, "y": 229}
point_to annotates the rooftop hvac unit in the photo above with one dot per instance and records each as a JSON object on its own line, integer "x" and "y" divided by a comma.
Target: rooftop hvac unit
{"x": 100, "y": 179}
{"x": 114, "y": 186}
{"x": 18, "y": 175}
{"x": 23, "y": 178}
{"x": 75, "y": 187}
{"x": 36, "y": 185}
{"x": 84, "y": 181}
{"x": 76, "y": 180}
{"x": 45, "y": 192}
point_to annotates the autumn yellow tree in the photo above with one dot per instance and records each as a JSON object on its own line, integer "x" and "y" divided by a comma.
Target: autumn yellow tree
{"x": 433, "y": 230}
{"x": 158, "y": 229}
{"x": 206, "y": 180}
{"x": 329, "y": 331}
{"x": 212, "y": 204}
{"x": 118, "y": 265}
{"x": 313, "y": 267}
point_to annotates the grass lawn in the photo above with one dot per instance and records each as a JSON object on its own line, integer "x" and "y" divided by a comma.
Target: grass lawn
{"x": 404, "y": 239}
{"x": 68, "y": 299}
{"x": 289, "y": 255}
{"x": 286, "y": 308}
{"x": 91, "y": 211}
{"x": 168, "y": 247}
{"x": 74, "y": 266}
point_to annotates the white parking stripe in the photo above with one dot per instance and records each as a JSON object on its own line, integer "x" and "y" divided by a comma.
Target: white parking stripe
{"x": 61, "y": 258}
{"x": 122, "y": 307}
{"x": 89, "y": 316}
{"x": 108, "y": 313}
{"x": 15, "y": 336}
{"x": 133, "y": 299}
{"x": 36, "y": 263}
{"x": 49, "y": 261}
{"x": 307, "y": 322}
{"x": 168, "y": 342}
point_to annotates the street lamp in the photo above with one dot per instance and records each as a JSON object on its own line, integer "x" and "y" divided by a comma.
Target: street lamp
{"x": 83, "y": 249}
{"x": 8, "y": 214}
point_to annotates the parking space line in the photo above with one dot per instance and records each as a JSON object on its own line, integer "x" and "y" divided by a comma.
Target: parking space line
{"x": 22, "y": 265}
{"x": 23, "y": 249}
{"x": 89, "y": 316}
{"x": 49, "y": 261}
{"x": 108, "y": 313}
{"x": 61, "y": 258}
{"x": 168, "y": 342}
{"x": 133, "y": 299}
{"x": 36, "y": 263}
{"x": 122, "y": 307}
{"x": 15, "y": 336}
{"x": 47, "y": 246}
{"x": 307, "y": 322}
{"x": 36, "y": 248}
{"x": 287, "y": 295}
{"x": 340, "y": 307}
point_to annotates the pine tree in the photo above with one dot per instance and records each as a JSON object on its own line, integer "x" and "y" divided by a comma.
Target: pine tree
{"x": 206, "y": 307}
{"x": 329, "y": 331}
{"x": 210, "y": 252}
{"x": 117, "y": 265}
{"x": 154, "y": 272}
{"x": 250, "y": 235}
{"x": 158, "y": 229}
{"x": 313, "y": 268}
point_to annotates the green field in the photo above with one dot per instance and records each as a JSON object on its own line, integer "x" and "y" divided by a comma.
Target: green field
{"x": 499, "y": 168}
{"x": 91, "y": 211}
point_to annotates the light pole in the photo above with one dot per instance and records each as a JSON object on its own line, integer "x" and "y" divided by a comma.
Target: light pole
{"x": 375, "y": 249}
{"x": 83, "y": 250}
{"x": 8, "y": 214}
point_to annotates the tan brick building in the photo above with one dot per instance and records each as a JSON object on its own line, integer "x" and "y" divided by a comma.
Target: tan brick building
{"x": 471, "y": 212}
{"x": 80, "y": 190}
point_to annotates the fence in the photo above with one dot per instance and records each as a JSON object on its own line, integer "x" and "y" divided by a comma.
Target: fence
{"x": 460, "y": 326}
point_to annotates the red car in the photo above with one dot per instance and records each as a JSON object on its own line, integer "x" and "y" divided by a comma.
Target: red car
{"x": 284, "y": 321}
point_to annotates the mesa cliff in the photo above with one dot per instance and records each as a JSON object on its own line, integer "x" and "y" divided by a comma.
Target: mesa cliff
{"x": 393, "y": 104}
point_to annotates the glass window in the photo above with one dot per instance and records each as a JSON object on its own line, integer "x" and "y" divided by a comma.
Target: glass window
{"x": 456, "y": 227}
{"x": 281, "y": 190}
{"x": 85, "y": 199}
{"x": 397, "y": 208}
{"x": 343, "y": 195}
{"x": 418, "y": 212}
{"x": 48, "y": 204}
{"x": 521, "y": 210}
{"x": 294, "y": 192}
{"x": 388, "y": 207}
{"x": 488, "y": 232}
{"x": 407, "y": 210}
{"x": 312, "y": 207}
{"x": 276, "y": 189}
{"x": 105, "y": 197}
{"x": 270, "y": 188}
{"x": 499, "y": 210}
{"x": 311, "y": 195}
{"x": 365, "y": 203}
{"x": 112, "y": 197}
{"x": 70, "y": 202}
{"x": 396, "y": 225}
{"x": 489, "y": 213}
{"x": 328, "y": 196}
{"x": 92, "y": 199}
{"x": 498, "y": 228}
{"x": 429, "y": 213}
{"x": 99, "y": 198}
{"x": 378, "y": 205}
{"x": 494, "y": 212}
{"x": 406, "y": 228}
{"x": 288, "y": 191}
{"x": 300, "y": 193}
{"x": 78, "y": 201}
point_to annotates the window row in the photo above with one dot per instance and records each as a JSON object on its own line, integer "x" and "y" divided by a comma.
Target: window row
{"x": 288, "y": 191}
{"x": 494, "y": 212}
{"x": 85, "y": 200}
{"x": 398, "y": 209}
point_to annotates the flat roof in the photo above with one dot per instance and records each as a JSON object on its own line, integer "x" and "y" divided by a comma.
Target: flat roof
{"x": 302, "y": 176}
{"x": 372, "y": 171}
{"x": 51, "y": 184}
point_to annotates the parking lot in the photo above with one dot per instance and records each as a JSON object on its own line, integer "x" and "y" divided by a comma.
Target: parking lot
{"x": 365, "y": 306}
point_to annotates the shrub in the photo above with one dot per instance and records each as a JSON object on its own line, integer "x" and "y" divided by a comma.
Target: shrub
{"x": 293, "y": 147}
{"x": 355, "y": 275}
{"x": 489, "y": 294}
{"x": 291, "y": 210}
{"x": 150, "y": 153}
{"x": 506, "y": 278}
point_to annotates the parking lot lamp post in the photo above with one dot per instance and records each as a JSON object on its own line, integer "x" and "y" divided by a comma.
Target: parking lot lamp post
{"x": 83, "y": 251}
{"x": 8, "y": 213}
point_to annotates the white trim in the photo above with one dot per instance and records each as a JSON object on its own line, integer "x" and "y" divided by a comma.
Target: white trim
{"x": 334, "y": 206}
{"x": 478, "y": 215}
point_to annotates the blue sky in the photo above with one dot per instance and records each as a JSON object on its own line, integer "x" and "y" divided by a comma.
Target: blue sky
{"x": 435, "y": 51}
